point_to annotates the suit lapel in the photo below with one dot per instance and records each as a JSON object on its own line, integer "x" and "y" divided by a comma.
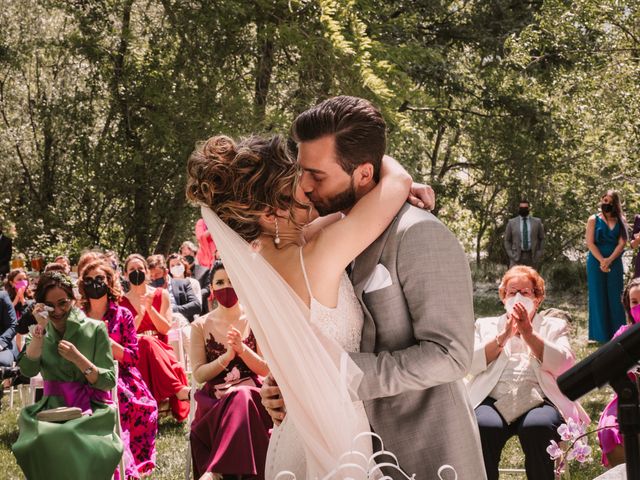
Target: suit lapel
{"x": 367, "y": 260}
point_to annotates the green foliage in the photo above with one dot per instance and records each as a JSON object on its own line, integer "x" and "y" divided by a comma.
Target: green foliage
{"x": 101, "y": 103}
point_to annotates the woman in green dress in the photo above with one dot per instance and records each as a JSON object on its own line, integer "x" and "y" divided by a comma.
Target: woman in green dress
{"x": 73, "y": 354}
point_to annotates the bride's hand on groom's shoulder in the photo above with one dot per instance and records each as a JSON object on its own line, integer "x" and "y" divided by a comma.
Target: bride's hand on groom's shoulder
{"x": 272, "y": 400}
{"x": 422, "y": 196}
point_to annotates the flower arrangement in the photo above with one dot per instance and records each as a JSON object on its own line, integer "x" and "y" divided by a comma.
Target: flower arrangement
{"x": 574, "y": 445}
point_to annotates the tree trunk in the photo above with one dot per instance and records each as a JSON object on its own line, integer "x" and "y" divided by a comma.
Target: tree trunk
{"x": 264, "y": 69}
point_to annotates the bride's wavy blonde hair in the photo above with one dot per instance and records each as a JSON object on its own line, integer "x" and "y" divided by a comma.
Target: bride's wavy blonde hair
{"x": 241, "y": 182}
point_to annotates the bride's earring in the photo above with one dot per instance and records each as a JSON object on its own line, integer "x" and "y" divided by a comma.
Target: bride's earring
{"x": 276, "y": 240}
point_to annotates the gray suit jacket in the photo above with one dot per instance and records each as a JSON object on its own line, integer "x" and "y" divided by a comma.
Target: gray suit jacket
{"x": 417, "y": 345}
{"x": 513, "y": 239}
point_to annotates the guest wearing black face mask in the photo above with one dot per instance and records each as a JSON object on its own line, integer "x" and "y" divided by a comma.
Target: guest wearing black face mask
{"x": 151, "y": 310}
{"x": 607, "y": 234}
{"x": 524, "y": 238}
{"x": 203, "y": 274}
{"x": 184, "y": 300}
{"x": 100, "y": 291}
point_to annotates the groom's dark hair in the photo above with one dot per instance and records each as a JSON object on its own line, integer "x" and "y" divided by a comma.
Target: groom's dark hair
{"x": 359, "y": 129}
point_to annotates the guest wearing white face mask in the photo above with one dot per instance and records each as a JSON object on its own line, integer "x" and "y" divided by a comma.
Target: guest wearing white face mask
{"x": 517, "y": 358}
{"x": 179, "y": 269}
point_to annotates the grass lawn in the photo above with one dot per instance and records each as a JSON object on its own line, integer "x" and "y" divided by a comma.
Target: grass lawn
{"x": 171, "y": 442}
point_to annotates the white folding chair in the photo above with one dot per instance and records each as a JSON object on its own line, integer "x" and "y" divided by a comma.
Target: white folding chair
{"x": 179, "y": 329}
{"x": 34, "y": 383}
{"x": 118, "y": 426}
{"x": 9, "y": 391}
{"x": 192, "y": 413}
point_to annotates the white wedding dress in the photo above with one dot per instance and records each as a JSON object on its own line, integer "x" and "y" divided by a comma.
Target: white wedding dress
{"x": 344, "y": 324}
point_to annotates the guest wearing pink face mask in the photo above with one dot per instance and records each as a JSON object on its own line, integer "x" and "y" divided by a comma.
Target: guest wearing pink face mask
{"x": 17, "y": 286}
{"x": 230, "y": 431}
{"x": 610, "y": 438}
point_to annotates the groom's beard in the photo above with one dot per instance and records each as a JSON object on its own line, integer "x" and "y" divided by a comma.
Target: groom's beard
{"x": 341, "y": 201}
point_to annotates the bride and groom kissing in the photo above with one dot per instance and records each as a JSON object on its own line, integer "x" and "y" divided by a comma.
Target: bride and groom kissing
{"x": 383, "y": 348}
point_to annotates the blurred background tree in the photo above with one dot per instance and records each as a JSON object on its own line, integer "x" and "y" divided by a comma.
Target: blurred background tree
{"x": 101, "y": 102}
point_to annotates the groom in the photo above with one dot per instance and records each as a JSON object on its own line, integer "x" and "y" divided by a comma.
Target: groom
{"x": 415, "y": 289}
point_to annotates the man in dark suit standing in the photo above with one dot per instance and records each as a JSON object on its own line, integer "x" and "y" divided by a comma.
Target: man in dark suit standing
{"x": 524, "y": 238}
{"x": 6, "y": 248}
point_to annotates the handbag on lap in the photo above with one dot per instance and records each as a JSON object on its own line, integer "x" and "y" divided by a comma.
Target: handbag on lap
{"x": 60, "y": 414}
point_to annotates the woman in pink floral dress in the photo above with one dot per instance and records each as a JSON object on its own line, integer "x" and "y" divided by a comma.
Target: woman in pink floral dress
{"x": 230, "y": 431}
{"x": 100, "y": 291}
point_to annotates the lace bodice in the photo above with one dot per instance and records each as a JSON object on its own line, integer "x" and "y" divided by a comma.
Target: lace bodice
{"x": 342, "y": 323}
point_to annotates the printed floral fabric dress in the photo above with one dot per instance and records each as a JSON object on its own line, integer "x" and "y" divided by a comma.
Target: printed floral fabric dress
{"x": 138, "y": 408}
{"x": 157, "y": 363}
{"x": 229, "y": 435}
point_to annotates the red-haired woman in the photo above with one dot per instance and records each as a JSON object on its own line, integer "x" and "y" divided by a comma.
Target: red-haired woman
{"x": 517, "y": 358}
{"x": 151, "y": 310}
{"x": 100, "y": 293}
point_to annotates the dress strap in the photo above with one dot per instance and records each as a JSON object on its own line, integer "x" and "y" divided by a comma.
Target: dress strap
{"x": 304, "y": 272}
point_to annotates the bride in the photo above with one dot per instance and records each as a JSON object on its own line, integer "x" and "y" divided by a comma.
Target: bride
{"x": 300, "y": 302}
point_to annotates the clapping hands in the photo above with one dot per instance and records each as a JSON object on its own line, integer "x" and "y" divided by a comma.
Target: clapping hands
{"x": 522, "y": 320}
{"x": 234, "y": 340}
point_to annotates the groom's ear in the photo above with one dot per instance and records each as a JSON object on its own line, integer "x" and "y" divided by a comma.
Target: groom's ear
{"x": 363, "y": 175}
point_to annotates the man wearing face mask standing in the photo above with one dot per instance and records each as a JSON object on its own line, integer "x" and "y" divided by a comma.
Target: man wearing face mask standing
{"x": 524, "y": 238}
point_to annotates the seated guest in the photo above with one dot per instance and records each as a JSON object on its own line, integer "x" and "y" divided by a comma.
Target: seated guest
{"x": 54, "y": 267}
{"x": 63, "y": 260}
{"x": 100, "y": 293}
{"x": 73, "y": 354}
{"x": 17, "y": 286}
{"x": 151, "y": 310}
{"x": 8, "y": 322}
{"x": 183, "y": 300}
{"x": 517, "y": 358}
{"x": 610, "y": 437}
{"x": 179, "y": 269}
{"x": 230, "y": 431}
{"x": 188, "y": 251}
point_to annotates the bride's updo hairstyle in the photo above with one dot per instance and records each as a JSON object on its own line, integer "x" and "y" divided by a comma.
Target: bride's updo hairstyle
{"x": 241, "y": 182}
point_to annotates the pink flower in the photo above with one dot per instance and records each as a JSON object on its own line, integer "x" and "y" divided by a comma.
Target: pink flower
{"x": 234, "y": 374}
{"x": 581, "y": 452}
{"x": 554, "y": 450}
{"x": 571, "y": 430}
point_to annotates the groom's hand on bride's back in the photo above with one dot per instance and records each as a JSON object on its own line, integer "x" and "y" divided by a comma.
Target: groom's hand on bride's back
{"x": 272, "y": 400}
{"x": 422, "y": 196}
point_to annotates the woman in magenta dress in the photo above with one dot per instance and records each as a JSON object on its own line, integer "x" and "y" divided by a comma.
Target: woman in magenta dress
{"x": 100, "y": 292}
{"x": 610, "y": 438}
{"x": 230, "y": 431}
{"x": 151, "y": 310}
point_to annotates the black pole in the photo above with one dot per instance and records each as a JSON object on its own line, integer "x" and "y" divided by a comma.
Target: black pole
{"x": 629, "y": 421}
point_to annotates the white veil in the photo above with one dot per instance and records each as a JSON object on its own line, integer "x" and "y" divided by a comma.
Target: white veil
{"x": 312, "y": 371}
